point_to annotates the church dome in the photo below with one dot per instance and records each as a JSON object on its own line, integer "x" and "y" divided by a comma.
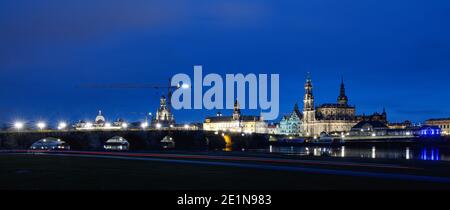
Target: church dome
{"x": 100, "y": 118}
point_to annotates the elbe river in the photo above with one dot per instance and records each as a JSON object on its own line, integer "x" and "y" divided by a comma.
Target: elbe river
{"x": 428, "y": 153}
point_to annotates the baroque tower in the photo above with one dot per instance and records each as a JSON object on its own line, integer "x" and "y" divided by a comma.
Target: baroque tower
{"x": 309, "y": 113}
{"x": 237, "y": 111}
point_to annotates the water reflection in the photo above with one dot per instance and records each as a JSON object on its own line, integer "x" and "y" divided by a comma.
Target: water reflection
{"x": 430, "y": 154}
{"x": 373, "y": 152}
{"x": 408, "y": 155}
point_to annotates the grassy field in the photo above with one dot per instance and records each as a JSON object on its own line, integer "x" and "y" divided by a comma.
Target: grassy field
{"x": 35, "y": 172}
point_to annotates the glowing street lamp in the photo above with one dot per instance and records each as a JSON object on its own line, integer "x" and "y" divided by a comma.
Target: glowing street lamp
{"x": 186, "y": 126}
{"x": 41, "y": 125}
{"x": 144, "y": 125}
{"x": 62, "y": 125}
{"x": 158, "y": 125}
{"x": 18, "y": 125}
{"x": 124, "y": 125}
{"x": 88, "y": 125}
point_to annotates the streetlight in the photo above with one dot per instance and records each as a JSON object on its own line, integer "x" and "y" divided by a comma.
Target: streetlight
{"x": 18, "y": 125}
{"x": 144, "y": 125}
{"x": 88, "y": 125}
{"x": 124, "y": 125}
{"x": 41, "y": 125}
{"x": 158, "y": 125}
{"x": 186, "y": 126}
{"x": 62, "y": 125}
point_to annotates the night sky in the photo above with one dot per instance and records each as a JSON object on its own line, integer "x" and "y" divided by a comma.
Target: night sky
{"x": 393, "y": 54}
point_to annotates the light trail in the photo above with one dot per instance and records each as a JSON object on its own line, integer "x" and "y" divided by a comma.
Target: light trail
{"x": 225, "y": 158}
{"x": 343, "y": 172}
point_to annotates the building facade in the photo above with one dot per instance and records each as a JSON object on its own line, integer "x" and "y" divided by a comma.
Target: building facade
{"x": 326, "y": 118}
{"x": 291, "y": 124}
{"x": 100, "y": 123}
{"x": 442, "y": 123}
{"x": 380, "y": 129}
{"x": 235, "y": 123}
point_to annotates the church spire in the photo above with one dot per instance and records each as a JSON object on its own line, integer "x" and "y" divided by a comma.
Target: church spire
{"x": 342, "y": 99}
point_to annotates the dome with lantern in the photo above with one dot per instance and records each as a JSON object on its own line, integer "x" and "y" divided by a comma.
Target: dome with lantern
{"x": 100, "y": 119}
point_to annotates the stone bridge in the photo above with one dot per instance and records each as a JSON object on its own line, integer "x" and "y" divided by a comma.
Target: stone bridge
{"x": 138, "y": 139}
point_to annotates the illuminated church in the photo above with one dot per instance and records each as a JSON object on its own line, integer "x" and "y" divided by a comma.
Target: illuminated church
{"x": 164, "y": 116}
{"x": 326, "y": 118}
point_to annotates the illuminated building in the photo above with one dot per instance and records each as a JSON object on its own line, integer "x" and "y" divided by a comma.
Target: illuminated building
{"x": 235, "y": 123}
{"x": 163, "y": 117}
{"x": 326, "y": 118}
{"x": 442, "y": 123}
{"x": 273, "y": 129}
{"x": 429, "y": 131}
{"x": 291, "y": 124}
{"x": 100, "y": 123}
{"x": 401, "y": 125}
{"x": 380, "y": 129}
{"x": 99, "y": 120}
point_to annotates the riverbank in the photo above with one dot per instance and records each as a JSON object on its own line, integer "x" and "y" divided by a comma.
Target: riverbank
{"x": 212, "y": 171}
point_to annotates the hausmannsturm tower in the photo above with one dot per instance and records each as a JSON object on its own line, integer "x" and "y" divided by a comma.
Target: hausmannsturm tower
{"x": 309, "y": 115}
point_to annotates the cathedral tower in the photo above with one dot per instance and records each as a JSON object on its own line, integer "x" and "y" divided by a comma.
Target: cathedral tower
{"x": 309, "y": 113}
{"x": 342, "y": 99}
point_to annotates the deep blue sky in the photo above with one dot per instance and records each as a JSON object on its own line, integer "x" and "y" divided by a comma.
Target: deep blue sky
{"x": 392, "y": 53}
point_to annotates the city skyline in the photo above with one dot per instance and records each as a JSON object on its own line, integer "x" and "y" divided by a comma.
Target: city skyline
{"x": 223, "y": 103}
{"x": 147, "y": 116}
{"x": 392, "y": 54}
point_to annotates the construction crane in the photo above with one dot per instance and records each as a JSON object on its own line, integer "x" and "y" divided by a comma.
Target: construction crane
{"x": 168, "y": 87}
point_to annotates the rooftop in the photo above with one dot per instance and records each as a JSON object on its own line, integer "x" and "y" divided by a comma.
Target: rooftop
{"x": 230, "y": 118}
{"x": 335, "y": 106}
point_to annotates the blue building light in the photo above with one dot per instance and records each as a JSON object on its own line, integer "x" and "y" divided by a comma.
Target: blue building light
{"x": 433, "y": 155}
{"x": 430, "y": 131}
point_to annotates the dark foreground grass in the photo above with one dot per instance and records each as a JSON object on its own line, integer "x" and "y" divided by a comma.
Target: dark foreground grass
{"x": 36, "y": 172}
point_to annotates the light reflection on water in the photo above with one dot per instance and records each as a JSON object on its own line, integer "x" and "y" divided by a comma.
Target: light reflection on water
{"x": 374, "y": 152}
